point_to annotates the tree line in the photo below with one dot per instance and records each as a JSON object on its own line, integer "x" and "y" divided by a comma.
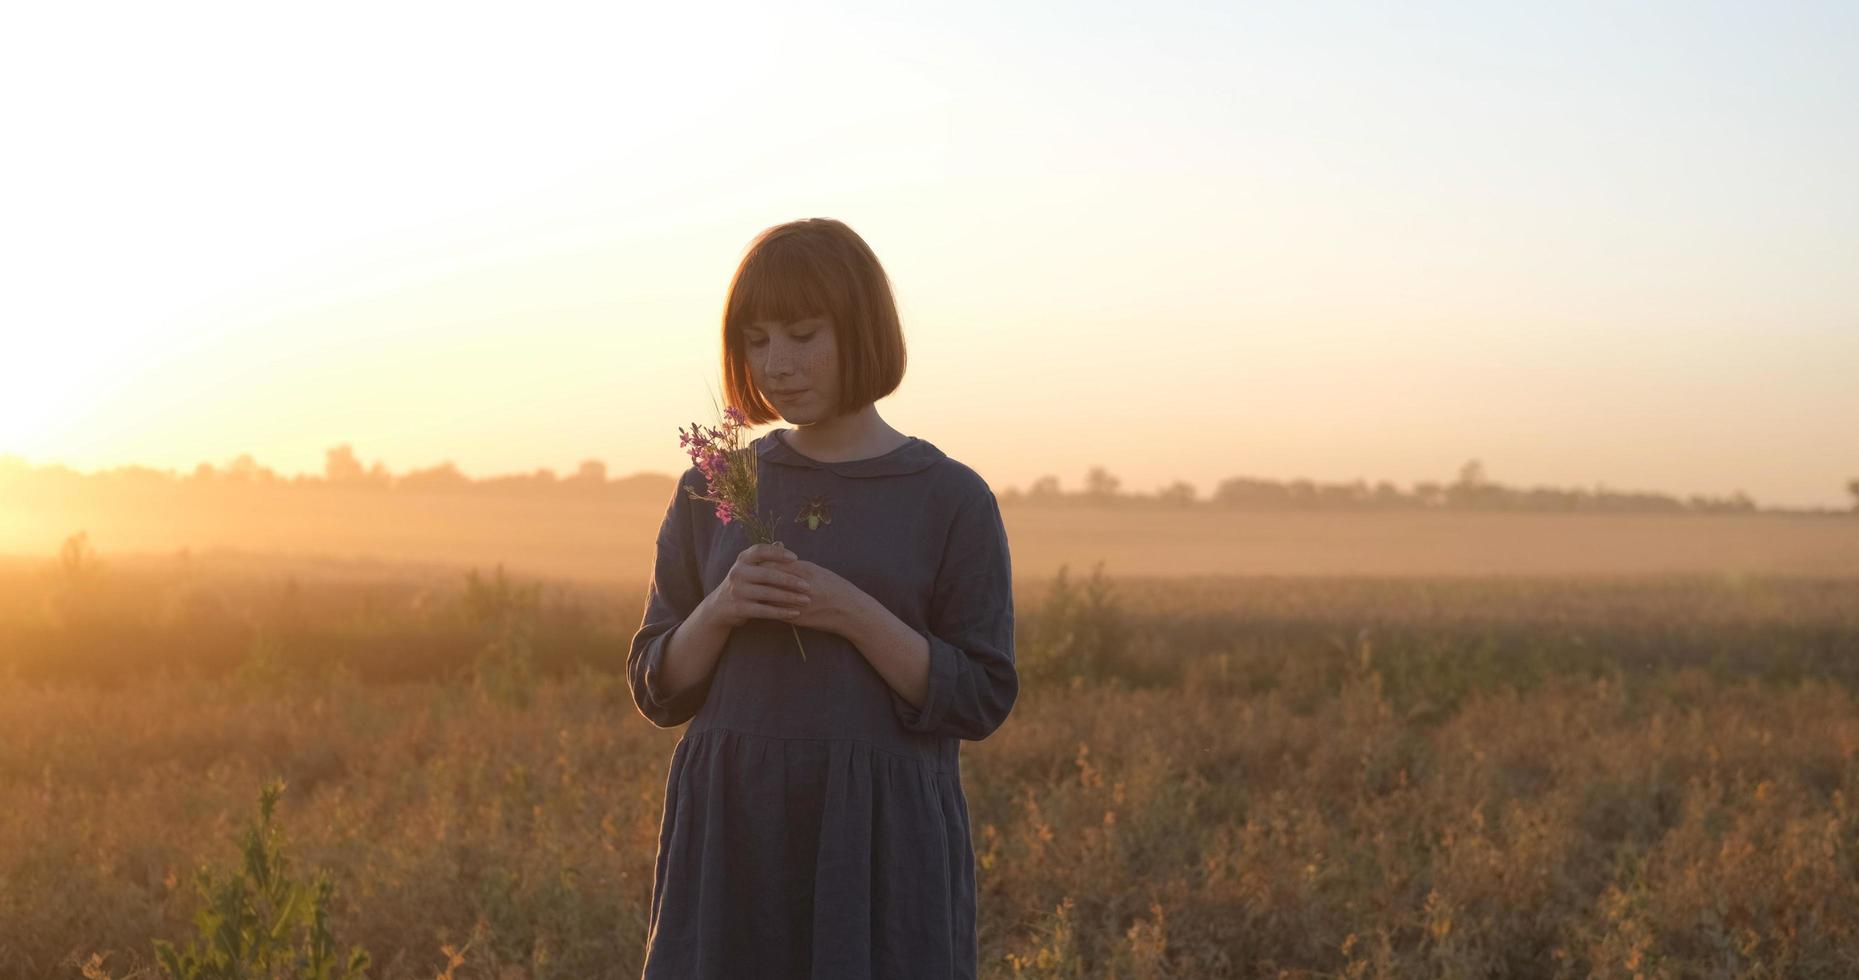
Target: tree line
{"x": 342, "y": 469}
{"x": 1472, "y": 490}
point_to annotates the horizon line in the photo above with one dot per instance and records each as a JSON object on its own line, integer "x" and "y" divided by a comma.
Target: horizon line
{"x": 251, "y": 468}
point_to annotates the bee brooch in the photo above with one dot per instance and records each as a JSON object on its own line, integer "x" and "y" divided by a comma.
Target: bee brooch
{"x": 816, "y": 512}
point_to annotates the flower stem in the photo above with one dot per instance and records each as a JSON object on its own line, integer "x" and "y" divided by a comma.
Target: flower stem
{"x": 803, "y": 648}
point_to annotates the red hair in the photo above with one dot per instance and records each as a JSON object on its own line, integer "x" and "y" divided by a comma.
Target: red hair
{"x": 815, "y": 267}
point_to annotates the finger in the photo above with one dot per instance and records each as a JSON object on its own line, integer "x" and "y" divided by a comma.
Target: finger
{"x": 784, "y": 580}
{"x": 759, "y": 610}
{"x": 767, "y": 552}
{"x": 768, "y": 595}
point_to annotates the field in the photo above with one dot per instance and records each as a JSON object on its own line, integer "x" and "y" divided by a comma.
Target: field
{"x": 1207, "y": 777}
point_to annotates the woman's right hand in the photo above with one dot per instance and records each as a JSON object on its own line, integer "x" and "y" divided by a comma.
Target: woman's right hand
{"x": 757, "y": 587}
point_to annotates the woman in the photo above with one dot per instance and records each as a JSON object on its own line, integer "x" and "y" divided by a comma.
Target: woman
{"x": 814, "y": 823}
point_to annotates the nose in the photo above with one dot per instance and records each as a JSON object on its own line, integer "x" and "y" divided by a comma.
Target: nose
{"x": 775, "y": 361}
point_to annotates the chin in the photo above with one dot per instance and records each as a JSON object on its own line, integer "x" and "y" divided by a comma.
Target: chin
{"x": 803, "y": 416}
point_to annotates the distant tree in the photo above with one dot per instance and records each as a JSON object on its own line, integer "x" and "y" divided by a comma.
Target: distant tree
{"x": 341, "y": 466}
{"x": 1100, "y": 484}
{"x": 1178, "y": 492}
{"x": 1852, "y": 487}
{"x": 1245, "y": 491}
{"x": 1044, "y": 488}
{"x": 440, "y": 478}
{"x": 245, "y": 469}
{"x": 540, "y": 481}
{"x": 133, "y": 476}
{"x": 590, "y": 478}
{"x": 1472, "y": 488}
{"x": 1342, "y": 495}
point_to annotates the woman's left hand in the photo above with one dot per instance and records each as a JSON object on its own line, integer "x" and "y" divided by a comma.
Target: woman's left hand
{"x": 833, "y": 602}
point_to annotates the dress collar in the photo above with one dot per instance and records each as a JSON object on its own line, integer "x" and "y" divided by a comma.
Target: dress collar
{"x": 911, "y": 457}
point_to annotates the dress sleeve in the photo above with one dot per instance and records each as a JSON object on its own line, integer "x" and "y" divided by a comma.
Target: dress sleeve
{"x": 972, "y": 679}
{"x": 675, "y": 591}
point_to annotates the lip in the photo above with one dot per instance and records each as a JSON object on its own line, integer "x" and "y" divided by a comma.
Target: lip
{"x": 791, "y": 394}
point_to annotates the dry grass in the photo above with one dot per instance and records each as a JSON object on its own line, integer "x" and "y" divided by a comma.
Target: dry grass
{"x": 1245, "y": 777}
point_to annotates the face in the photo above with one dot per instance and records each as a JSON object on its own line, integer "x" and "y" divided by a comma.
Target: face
{"x": 796, "y": 366}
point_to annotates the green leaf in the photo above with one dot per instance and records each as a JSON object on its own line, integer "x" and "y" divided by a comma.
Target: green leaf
{"x": 288, "y": 912}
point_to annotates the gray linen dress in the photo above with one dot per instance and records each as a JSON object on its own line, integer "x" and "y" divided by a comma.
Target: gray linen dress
{"x": 814, "y": 822}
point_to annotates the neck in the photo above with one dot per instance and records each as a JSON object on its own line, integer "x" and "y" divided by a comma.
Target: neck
{"x": 856, "y": 435}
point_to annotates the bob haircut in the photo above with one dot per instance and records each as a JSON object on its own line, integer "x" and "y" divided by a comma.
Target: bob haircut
{"x": 814, "y": 267}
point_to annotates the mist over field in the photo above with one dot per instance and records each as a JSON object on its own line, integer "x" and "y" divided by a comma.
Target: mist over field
{"x": 588, "y": 526}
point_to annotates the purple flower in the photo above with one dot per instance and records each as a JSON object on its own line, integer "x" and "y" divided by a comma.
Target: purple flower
{"x": 730, "y": 470}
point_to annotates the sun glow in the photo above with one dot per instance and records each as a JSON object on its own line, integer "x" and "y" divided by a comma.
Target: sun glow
{"x": 32, "y": 399}
{"x": 51, "y": 382}
{"x": 1609, "y": 260}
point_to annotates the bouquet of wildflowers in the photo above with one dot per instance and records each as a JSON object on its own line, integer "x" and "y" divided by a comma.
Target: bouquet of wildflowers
{"x": 729, "y": 467}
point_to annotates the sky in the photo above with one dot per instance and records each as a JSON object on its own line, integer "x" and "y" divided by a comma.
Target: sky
{"x": 1587, "y": 244}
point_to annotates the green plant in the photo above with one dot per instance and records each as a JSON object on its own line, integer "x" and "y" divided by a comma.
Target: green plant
{"x": 504, "y": 669}
{"x": 251, "y": 923}
{"x": 263, "y": 668}
{"x": 1057, "y": 954}
{"x": 1080, "y": 630}
{"x": 78, "y": 560}
{"x": 493, "y": 601}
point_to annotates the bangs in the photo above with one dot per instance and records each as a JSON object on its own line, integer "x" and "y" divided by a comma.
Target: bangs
{"x": 784, "y": 284}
